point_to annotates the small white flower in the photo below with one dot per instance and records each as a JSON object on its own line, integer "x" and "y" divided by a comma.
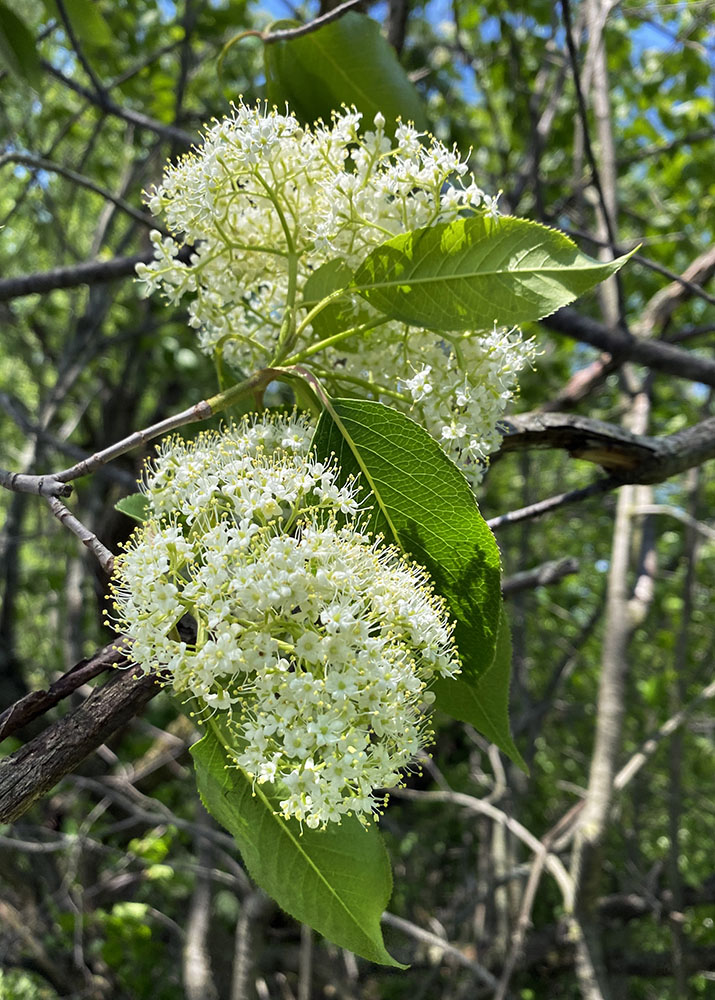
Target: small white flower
{"x": 491, "y": 206}
{"x": 419, "y": 385}
{"x": 308, "y": 647}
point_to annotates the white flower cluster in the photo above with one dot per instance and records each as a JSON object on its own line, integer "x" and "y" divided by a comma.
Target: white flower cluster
{"x": 317, "y": 642}
{"x": 459, "y": 389}
{"x": 265, "y": 202}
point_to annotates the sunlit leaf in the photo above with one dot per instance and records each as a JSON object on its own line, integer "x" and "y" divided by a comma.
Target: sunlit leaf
{"x": 474, "y": 272}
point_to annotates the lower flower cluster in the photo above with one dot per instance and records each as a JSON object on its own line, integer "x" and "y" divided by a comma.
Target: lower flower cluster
{"x": 316, "y": 641}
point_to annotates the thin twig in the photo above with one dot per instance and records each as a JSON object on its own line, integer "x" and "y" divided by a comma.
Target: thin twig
{"x": 74, "y": 42}
{"x": 540, "y": 576}
{"x": 136, "y": 68}
{"x": 109, "y": 106}
{"x": 202, "y": 410}
{"x": 52, "y": 486}
{"x": 679, "y": 515}
{"x": 427, "y": 937}
{"x": 552, "y": 503}
{"x": 688, "y": 333}
{"x": 563, "y": 830}
{"x": 147, "y": 809}
{"x": 692, "y": 286}
{"x": 636, "y": 762}
{"x": 16, "y": 410}
{"x": 270, "y": 37}
{"x": 553, "y": 863}
{"x": 40, "y": 163}
{"x": 86, "y": 537}
{"x": 659, "y": 148}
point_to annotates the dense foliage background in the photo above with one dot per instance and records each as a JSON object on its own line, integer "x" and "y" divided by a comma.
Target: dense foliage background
{"x": 117, "y": 885}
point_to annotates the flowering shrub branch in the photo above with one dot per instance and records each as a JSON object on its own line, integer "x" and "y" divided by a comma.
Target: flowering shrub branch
{"x": 336, "y": 573}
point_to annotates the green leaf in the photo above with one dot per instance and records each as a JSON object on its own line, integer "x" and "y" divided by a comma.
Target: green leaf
{"x": 346, "y": 62}
{"x": 17, "y": 47}
{"x": 484, "y": 703}
{"x": 474, "y": 272}
{"x": 135, "y": 505}
{"x": 422, "y": 503}
{"x": 337, "y": 880}
{"x": 87, "y": 22}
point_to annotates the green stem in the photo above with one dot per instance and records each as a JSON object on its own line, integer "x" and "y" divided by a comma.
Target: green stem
{"x": 364, "y": 383}
{"x": 454, "y": 341}
{"x": 218, "y": 363}
{"x": 285, "y": 338}
{"x": 244, "y": 338}
{"x": 318, "y": 309}
{"x": 247, "y": 247}
{"x": 253, "y": 386}
{"x": 335, "y": 339}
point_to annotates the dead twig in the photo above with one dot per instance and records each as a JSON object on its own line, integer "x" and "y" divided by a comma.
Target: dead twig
{"x": 36, "y": 703}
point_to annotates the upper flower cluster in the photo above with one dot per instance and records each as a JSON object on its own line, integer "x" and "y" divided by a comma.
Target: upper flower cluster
{"x": 265, "y": 202}
{"x": 318, "y": 642}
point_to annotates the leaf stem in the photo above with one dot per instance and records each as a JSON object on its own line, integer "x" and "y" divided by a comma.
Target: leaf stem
{"x": 364, "y": 383}
{"x": 316, "y": 310}
{"x": 307, "y": 352}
